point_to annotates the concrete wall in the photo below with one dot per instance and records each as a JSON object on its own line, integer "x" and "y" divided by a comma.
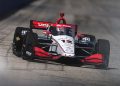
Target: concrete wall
{"x": 6, "y": 6}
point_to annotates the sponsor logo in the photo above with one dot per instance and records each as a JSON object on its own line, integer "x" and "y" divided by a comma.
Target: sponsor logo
{"x": 28, "y": 53}
{"x": 43, "y": 25}
{"x": 86, "y": 39}
{"x": 17, "y": 38}
{"x": 23, "y": 32}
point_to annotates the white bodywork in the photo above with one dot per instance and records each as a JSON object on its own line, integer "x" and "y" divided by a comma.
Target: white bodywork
{"x": 65, "y": 45}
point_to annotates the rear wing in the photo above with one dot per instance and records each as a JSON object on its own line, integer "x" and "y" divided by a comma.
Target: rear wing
{"x": 39, "y": 24}
{"x": 44, "y": 25}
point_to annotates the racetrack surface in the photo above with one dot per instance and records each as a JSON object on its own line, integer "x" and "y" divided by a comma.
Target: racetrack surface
{"x": 98, "y": 17}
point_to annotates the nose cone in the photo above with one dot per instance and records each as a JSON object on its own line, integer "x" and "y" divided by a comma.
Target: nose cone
{"x": 67, "y": 44}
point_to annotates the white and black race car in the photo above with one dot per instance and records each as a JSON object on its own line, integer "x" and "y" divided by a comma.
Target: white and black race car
{"x": 51, "y": 41}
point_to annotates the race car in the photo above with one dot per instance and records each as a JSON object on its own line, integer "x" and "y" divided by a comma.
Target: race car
{"x": 52, "y": 41}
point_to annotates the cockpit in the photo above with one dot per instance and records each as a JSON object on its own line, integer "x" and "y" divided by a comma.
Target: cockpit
{"x": 55, "y": 31}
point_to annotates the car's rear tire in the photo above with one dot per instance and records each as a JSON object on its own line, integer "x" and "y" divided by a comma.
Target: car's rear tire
{"x": 103, "y": 47}
{"x": 15, "y": 52}
{"x": 18, "y": 41}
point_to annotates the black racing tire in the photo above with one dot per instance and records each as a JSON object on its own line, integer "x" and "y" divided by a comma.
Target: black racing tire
{"x": 103, "y": 47}
{"x": 17, "y": 53}
{"x": 18, "y": 41}
{"x": 27, "y": 57}
{"x": 24, "y": 56}
{"x": 27, "y": 50}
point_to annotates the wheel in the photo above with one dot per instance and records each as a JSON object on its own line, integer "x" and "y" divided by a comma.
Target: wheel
{"x": 27, "y": 50}
{"x": 18, "y": 40}
{"x": 103, "y": 47}
{"x": 27, "y": 53}
{"x": 15, "y": 52}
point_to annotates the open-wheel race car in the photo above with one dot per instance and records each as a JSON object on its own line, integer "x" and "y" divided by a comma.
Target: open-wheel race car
{"x": 52, "y": 41}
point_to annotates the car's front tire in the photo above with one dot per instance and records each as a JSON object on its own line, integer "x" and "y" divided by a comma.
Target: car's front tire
{"x": 27, "y": 53}
{"x": 103, "y": 47}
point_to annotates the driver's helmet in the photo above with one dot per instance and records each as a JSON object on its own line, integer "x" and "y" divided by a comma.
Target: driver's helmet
{"x": 60, "y": 30}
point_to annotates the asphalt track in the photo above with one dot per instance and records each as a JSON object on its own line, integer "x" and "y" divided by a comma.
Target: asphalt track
{"x": 98, "y": 17}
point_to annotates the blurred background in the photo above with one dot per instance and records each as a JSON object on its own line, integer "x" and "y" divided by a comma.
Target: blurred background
{"x": 8, "y": 7}
{"x": 97, "y": 17}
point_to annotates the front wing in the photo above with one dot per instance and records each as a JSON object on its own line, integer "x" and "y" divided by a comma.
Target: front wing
{"x": 94, "y": 58}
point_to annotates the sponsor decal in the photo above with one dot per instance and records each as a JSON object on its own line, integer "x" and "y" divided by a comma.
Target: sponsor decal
{"x": 60, "y": 25}
{"x": 23, "y": 32}
{"x": 86, "y": 39}
{"x": 17, "y": 38}
{"x": 43, "y": 25}
{"x": 28, "y": 53}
